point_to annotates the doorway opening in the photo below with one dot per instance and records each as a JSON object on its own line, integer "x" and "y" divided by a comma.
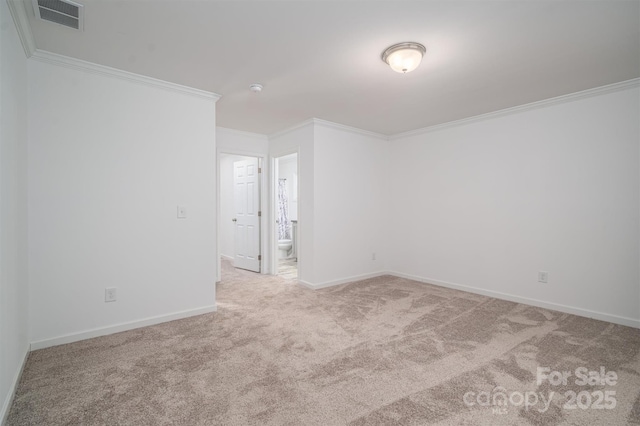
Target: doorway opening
{"x": 240, "y": 211}
{"x": 286, "y": 214}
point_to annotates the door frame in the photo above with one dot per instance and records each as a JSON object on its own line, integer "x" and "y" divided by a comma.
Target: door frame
{"x": 265, "y": 248}
{"x": 273, "y": 229}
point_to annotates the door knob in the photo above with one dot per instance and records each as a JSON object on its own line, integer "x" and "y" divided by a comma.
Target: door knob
{"x": 234, "y": 219}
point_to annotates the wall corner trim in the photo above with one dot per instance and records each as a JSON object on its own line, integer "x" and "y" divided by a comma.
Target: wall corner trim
{"x": 80, "y": 65}
{"x": 117, "y": 328}
{"x": 19, "y": 12}
{"x": 602, "y": 90}
{"x": 6, "y": 404}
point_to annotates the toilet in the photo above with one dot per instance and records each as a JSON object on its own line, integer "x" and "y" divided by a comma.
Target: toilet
{"x": 283, "y": 248}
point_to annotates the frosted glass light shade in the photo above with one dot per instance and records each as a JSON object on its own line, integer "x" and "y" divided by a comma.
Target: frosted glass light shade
{"x": 404, "y": 57}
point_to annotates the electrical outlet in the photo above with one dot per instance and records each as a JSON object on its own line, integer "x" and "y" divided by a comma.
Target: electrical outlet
{"x": 543, "y": 277}
{"x": 373, "y": 256}
{"x": 110, "y": 294}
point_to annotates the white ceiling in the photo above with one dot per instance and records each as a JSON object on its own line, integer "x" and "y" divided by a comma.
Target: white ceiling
{"x": 321, "y": 59}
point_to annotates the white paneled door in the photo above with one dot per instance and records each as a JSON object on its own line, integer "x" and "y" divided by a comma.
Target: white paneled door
{"x": 246, "y": 196}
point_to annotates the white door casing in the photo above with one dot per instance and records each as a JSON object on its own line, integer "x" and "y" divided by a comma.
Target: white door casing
{"x": 246, "y": 199}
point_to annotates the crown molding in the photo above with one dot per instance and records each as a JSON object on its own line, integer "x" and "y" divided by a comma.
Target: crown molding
{"x": 283, "y": 132}
{"x": 242, "y": 133}
{"x": 80, "y": 65}
{"x": 345, "y": 128}
{"x": 602, "y": 90}
{"x": 18, "y": 11}
{"x": 330, "y": 125}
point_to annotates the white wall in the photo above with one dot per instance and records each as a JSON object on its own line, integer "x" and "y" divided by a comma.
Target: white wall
{"x": 341, "y": 205}
{"x": 110, "y": 160}
{"x": 243, "y": 143}
{"x": 490, "y": 203}
{"x": 350, "y": 206}
{"x": 14, "y": 339}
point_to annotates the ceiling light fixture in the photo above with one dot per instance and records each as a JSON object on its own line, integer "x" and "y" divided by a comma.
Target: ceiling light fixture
{"x": 256, "y": 87}
{"x": 404, "y": 57}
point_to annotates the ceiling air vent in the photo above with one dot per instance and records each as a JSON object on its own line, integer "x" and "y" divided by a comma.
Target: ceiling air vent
{"x": 61, "y": 12}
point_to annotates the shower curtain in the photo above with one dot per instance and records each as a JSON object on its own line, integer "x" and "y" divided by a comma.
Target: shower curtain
{"x": 284, "y": 224}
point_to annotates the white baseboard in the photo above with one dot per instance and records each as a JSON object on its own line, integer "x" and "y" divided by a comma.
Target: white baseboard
{"x": 229, "y": 258}
{"x": 103, "y": 331}
{"x": 341, "y": 281}
{"x": 6, "y": 405}
{"x": 630, "y": 322}
{"x": 616, "y": 319}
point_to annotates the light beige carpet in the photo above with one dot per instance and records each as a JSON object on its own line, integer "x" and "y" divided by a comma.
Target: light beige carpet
{"x": 380, "y": 351}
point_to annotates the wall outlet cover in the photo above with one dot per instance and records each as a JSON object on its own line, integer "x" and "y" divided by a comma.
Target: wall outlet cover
{"x": 543, "y": 276}
{"x": 110, "y": 294}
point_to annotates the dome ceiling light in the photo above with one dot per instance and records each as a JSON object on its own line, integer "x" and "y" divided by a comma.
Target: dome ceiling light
{"x": 404, "y": 57}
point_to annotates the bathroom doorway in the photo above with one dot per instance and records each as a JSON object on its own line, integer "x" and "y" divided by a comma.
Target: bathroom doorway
{"x": 286, "y": 215}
